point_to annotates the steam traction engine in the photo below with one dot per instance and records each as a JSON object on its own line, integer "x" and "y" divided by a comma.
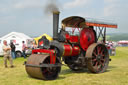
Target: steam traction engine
{"x": 77, "y": 44}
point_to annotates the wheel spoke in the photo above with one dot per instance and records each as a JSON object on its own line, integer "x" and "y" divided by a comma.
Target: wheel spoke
{"x": 102, "y": 64}
{"x": 99, "y": 50}
{"x": 97, "y": 68}
{"x": 93, "y": 59}
{"x": 102, "y": 53}
{"x": 96, "y": 50}
{"x": 103, "y": 60}
{"x": 96, "y": 64}
{"x": 95, "y": 53}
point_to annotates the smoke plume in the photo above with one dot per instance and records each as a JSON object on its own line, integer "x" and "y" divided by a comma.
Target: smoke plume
{"x": 51, "y": 5}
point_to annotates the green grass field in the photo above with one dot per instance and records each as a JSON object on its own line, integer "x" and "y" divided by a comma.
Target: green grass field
{"x": 117, "y": 73}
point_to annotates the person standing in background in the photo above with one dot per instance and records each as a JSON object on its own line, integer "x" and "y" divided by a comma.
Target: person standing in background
{"x": 110, "y": 44}
{"x": 13, "y": 50}
{"x": 34, "y": 46}
{"x": 23, "y": 49}
{"x": 7, "y": 54}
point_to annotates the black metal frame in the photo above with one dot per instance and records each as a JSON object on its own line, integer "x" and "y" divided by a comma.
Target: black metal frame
{"x": 101, "y": 32}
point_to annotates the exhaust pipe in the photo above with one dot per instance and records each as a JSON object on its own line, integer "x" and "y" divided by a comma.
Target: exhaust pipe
{"x": 55, "y": 24}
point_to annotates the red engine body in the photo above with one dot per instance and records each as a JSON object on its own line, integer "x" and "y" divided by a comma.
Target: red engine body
{"x": 70, "y": 51}
{"x": 72, "y": 38}
{"x": 73, "y": 43}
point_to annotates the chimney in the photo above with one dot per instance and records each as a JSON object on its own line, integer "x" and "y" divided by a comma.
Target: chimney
{"x": 55, "y": 24}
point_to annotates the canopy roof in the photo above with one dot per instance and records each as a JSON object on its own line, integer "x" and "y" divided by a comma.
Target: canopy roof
{"x": 80, "y": 22}
{"x": 99, "y": 23}
{"x": 74, "y": 21}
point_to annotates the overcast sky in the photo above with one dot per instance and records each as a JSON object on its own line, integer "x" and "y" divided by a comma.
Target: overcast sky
{"x": 29, "y": 17}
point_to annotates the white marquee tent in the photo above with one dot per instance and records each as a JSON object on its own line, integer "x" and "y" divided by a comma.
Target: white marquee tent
{"x": 17, "y": 38}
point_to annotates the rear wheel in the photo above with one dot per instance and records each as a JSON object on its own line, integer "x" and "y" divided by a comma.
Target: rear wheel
{"x": 97, "y": 58}
{"x": 18, "y": 54}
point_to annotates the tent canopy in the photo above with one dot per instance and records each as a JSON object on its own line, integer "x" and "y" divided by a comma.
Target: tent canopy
{"x": 20, "y": 35}
{"x": 47, "y": 36}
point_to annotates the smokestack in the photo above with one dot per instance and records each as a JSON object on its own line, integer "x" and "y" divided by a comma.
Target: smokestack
{"x": 55, "y": 24}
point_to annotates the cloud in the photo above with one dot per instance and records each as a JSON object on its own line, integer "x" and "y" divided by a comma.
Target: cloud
{"x": 110, "y": 10}
{"x": 75, "y": 3}
{"x": 110, "y": 1}
{"x": 115, "y": 8}
{"x": 2, "y": 10}
{"x": 28, "y": 4}
{"x": 20, "y": 4}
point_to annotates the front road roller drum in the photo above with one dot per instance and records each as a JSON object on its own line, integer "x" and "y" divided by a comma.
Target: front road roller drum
{"x": 38, "y": 66}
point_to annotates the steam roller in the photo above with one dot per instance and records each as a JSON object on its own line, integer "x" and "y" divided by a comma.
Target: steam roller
{"x": 76, "y": 43}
